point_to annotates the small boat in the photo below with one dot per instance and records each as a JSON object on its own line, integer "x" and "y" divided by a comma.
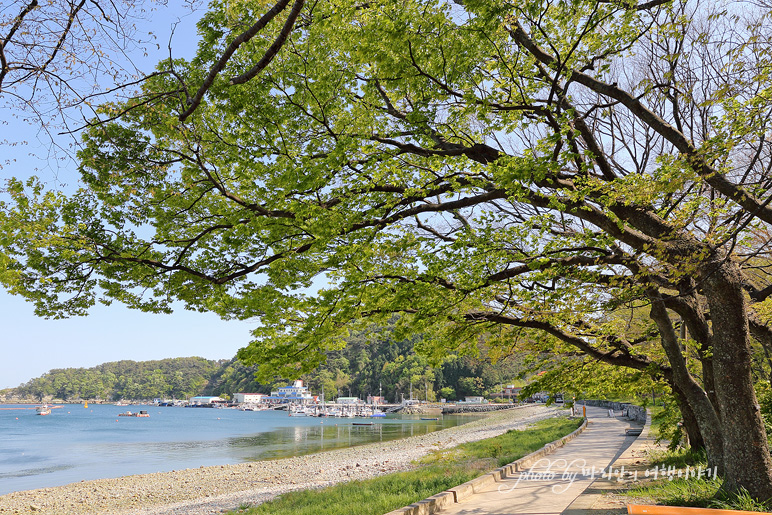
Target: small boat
{"x": 43, "y": 410}
{"x": 133, "y": 414}
{"x": 362, "y": 424}
{"x": 422, "y": 418}
{"x": 378, "y": 414}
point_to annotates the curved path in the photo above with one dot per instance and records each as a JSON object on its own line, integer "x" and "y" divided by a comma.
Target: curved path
{"x": 554, "y": 482}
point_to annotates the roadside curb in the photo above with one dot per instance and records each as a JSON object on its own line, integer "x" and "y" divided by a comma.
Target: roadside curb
{"x": 435, "y": 503}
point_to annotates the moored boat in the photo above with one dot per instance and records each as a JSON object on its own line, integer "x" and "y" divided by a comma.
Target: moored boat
{"x": 142, "y": 413}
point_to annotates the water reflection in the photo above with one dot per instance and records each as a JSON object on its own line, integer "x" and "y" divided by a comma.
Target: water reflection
{"x": 75, "y": 444}
{"x": 330, "y": 434}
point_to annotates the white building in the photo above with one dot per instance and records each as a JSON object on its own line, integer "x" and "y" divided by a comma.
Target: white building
{"x": 297, "y": 393}
{"x": 249, "y": 398}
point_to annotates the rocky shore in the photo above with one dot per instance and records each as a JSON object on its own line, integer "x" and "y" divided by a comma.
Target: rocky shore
{"x": 474, "y": 408}
{"x": 209, "y": 490}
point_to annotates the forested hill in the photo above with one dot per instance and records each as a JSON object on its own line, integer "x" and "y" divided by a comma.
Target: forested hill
{"x": 372, "y": 362}
{"x": 175, "y": 377}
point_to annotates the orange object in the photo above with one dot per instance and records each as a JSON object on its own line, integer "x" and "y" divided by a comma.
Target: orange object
{"x": 642, "y": 509}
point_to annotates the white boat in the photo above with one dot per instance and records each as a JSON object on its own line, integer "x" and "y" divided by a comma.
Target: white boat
{"x": 301, "y": 411}
{"x": 43, "y": 410}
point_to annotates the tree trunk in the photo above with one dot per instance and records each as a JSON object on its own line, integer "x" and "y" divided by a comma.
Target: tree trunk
{"x": 704, "y": 413}
{"x": 709, "y": 381}
{"x": 691, "y": 425}
{"x": 694, "y": 315}
{"x": 769, "y": 362}
{"x": 746, "y": 453}
{"x": 762, "y": 334}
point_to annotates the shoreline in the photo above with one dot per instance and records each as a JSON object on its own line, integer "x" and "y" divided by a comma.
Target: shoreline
{"x": 215, "y": 489}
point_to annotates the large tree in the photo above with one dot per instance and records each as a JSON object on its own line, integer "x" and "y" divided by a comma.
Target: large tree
{"x": 488, "y": 170}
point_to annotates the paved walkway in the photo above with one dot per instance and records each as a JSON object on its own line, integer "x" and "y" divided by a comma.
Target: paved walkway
{"x": 604, "y": 496}
{"x": 552, "y": 484}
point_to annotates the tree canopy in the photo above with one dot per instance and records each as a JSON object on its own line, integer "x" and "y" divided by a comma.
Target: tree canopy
{"x": 594, "y": 171}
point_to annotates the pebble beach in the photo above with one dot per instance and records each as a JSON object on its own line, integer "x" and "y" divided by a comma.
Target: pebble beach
{"x": 218, "y": 489}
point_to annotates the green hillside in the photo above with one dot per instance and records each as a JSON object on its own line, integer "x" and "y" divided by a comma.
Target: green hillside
{"x": 373, "y": 361}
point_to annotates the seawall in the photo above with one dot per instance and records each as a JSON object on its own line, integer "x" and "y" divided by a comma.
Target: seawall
{"x": 475, "y": 408}
{"x": 631, "y": 411}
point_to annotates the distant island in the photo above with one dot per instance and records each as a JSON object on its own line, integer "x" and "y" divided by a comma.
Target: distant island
{"x": 371, "y": 364}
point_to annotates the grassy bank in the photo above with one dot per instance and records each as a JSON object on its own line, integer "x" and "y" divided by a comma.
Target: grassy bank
{"x": 436, "y": 472}
{"x": 694, "y": 492}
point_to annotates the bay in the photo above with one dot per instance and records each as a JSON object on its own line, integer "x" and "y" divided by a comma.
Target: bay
{"x": 74, "y": 443}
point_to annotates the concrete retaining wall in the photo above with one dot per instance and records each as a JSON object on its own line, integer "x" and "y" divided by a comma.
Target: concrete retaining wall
{"x": 419, "y": 410}
{"x": 631, "y": 411}
{"x": 434, "y": 409}
{"x": 475, "y": 408}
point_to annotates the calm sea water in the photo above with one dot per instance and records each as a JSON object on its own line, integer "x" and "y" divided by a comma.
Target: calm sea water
{"x": 74, "y": 443}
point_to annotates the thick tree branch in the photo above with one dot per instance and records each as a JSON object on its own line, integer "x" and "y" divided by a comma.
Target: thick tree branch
{"x": 14, "y": 28}
{"x": 242, "y": 38}
{"x": 749, "y": 202}
{"x": 275, "y": 47}
{"x": 638, "y": 362}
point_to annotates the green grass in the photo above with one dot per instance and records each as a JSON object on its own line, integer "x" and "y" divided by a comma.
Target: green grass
{"x": 696, "y": 492}
{"x": 437, "y": 472}
{"x": 679, "y": 458}
{"x": 655, "y": 421}
{"x": 508, "y": 447}
{"x": 376, "y": 496}
{"x": 701, "y": 493}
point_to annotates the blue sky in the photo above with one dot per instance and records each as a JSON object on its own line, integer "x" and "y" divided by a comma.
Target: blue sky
{"x": 31, "y": 346}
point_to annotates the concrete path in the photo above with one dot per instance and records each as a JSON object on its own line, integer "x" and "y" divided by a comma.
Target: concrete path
{"x": 603, "y": 497}
{"x": 554, "y": 482}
